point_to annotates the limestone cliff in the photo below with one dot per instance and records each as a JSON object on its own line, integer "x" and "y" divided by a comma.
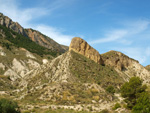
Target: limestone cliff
{"x": 82, "y": 47}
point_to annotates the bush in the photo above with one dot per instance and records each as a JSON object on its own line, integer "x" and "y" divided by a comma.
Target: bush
{"x": 131, "y": 91}
{"x": 117, "y": 105}
{"x": 136, "y": 96}
{"x": 110, "y": 89}
{"x": 7, "y": 106}
{"x": 142, "y": 105}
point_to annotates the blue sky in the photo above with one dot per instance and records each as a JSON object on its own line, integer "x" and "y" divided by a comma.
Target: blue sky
{"x": 121, "y": 25}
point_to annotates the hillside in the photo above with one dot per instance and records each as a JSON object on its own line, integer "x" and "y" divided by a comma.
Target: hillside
{"x": 39, "y": 77}
{"x": 34, "y": 35}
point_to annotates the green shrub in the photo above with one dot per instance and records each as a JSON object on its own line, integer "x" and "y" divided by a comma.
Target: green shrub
{"x": 110, "y": 89}
{"x": 7, "y": 106}
{"x": 116, "y": 106}
{"x": 104, "y": 111}
{"x": 135, "y": 95}
{"x": 143, "y": 104}
{"x": 131, "y": 91}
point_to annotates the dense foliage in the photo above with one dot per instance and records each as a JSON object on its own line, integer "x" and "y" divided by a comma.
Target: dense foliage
{"x": 110, "y": 89}
{"x": 136, "y": 96}
{"x": 116, "y": 106}
{"x": 7, "y": 106}
{"x": 143, "y": 104}
{"x": 20, "y": 41}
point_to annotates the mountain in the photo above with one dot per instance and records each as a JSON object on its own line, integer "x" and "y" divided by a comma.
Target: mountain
{"x": 126, "y": 66}
{"x": 41, "y": 77}
{"x": 34, "y": 35}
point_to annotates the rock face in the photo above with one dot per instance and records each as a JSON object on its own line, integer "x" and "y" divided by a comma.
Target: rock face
{"x": 45, "y": 41}
{"x": 117, "y": 59}
{"x": 6, "y": 21}
{"x": 125, "y": 65}
{"x": 148, "y": 67}
{"x": 34, "y": 35}
{"x": 82, "y": 47}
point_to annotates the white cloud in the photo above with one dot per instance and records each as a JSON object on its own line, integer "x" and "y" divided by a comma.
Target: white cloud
{"x": 11, "y": 9}
{"x": 55, "y": 34}
{"x": 112, "y": 36}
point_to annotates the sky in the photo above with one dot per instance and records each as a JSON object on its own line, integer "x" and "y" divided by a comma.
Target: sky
{"x": 121, "y": 25}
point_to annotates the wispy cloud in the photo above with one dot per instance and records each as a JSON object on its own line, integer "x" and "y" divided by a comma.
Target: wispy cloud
{"x": 23, "y": 16}
{"x": 129, "y": 39}
{"x": 111, "y": 36}
{"x": 125, "y": 33}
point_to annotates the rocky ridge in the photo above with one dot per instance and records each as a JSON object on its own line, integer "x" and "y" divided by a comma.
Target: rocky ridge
{"x": 34, "y": 35}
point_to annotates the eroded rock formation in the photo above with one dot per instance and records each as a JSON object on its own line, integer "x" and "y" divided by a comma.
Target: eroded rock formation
{"x": 82, "y": 47}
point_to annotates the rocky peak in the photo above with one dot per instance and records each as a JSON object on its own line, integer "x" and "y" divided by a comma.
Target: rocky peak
{"x": 82, "y": 47}
{"x": 117, "y": 59}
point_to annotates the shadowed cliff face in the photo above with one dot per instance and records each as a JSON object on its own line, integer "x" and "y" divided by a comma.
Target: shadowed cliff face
{"x": 118, "y": 60}
{"x": 82, "y": 47}
{"x": 34, "y": 35}
{"x": 148, "y": 67}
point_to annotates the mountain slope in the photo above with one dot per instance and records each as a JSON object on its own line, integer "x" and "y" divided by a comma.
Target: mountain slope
{"x": 19, "y": 40}
{"x": 34, "y": 35}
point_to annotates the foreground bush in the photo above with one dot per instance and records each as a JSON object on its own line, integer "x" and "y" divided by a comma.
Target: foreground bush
{"x": 136, "y": 96}
{"x": 7, "y": 106}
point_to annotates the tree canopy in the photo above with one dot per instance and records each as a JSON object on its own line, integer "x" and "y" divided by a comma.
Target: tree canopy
{"x": 136, "y": 96}
{"x": 7, "y": 106}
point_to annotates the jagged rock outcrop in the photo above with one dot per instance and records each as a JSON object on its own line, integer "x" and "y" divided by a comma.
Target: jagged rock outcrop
{"x": 34, "y": 35}
{"x": 117, "y": 59}
{"x": 82, "y": 47}
{"x": 6, "y": 21}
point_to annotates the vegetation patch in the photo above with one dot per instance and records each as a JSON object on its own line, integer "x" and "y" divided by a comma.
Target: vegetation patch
{"x": 136, "y": 96}
{"x": 19, "y": 40}
{"x": 8, "y": 106}
{"x": 87, "y": 71}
